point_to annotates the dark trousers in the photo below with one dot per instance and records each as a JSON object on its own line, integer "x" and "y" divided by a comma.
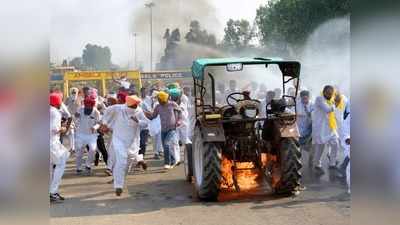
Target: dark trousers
{"x": 102, "y": 148}
{"x": 344, "y": 164}
{"x": 144, "y": 135}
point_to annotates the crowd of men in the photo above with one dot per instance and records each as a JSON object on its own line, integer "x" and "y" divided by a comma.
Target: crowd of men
{"x": 118, "y": 127}
{"x": 325, "y": 124}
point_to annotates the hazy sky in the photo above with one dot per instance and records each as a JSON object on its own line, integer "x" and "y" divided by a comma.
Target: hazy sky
{"x": 78, "y": 22}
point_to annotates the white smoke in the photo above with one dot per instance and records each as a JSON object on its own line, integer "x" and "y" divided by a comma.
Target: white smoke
{"x": 326, "y": 57}
{"x": 170, "y": 14}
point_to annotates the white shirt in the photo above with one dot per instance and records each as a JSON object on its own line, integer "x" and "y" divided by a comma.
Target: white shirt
{"x": 64, "y": 110}
{"x": 57, "y": 150}
{"x": 340, "y": 113}
{"x": 55, "y": 124}
{"x": 321, "y": 132}
{"x": 263, "y": 109}
{"x": 87, "y": 122}
{"x": 304, "y": 116}
{"x": 73, "y": 104}
{"x": 125, "y": 129}
{"x": 345, "y": 134}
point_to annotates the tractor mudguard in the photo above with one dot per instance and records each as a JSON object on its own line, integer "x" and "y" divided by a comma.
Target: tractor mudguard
{"x": 212, "y": 132}
{"x": 274, "y": 130}
{"x": 290, "y": 130}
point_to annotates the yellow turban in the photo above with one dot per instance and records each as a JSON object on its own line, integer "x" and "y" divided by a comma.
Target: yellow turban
{"x": 163, "y": 97}
{"x": 132, "y": 100}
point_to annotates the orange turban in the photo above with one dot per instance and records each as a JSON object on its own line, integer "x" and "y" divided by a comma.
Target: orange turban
{"x": 132, "y": 100}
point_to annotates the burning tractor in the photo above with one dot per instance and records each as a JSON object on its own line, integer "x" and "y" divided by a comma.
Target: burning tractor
{"x": 243, "y": 136}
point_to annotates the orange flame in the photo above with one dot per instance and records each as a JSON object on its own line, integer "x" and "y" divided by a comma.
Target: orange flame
{"x": 247, "y": 175}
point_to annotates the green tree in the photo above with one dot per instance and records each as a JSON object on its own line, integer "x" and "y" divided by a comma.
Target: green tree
{"x": 198, "y": 36}
{"x": 170, "y": 53}
{"x": 238, "y": 34}
{"x": 194, "y": 34}
{"x": 97, "y": 57}
{"x": 76, "y": 62}
{"x": 175, "y": 35}
{"x": 292, "y": 21}
{"x": 179, "y": 55}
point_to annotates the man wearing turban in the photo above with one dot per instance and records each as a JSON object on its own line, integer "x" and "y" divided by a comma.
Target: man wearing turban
{"x": 324, "y": 128}
{"x": 73, "y": 105}
{"x": 126, "y": 121}
{"x": 88, "y": 118}
{"x": 58, "y": 153}
{"x": 170, "y": 116}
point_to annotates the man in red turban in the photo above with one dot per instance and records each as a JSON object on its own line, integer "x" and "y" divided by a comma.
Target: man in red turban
{"x": 55, "y": 100}
{"x": 86, "y": 133}
{"x": 58, "y": 153}
{"x": 121, "y": 97}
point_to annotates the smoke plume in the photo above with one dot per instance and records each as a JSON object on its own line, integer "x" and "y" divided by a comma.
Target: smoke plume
{"x": 171, "y": 14}
{"x": 326, "y": 57}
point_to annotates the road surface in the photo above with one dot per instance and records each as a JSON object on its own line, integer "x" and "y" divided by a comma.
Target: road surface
{"x": 160, "y": 197}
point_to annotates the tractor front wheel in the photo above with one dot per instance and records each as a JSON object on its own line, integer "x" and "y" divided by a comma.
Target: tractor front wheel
{"x": 206, "y": 167}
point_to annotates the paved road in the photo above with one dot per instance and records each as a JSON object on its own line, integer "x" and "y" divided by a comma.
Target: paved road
{"x": 163, "y": 198}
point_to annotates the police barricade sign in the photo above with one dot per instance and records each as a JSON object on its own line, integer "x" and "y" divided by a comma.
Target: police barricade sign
{"x": 166, "y": 75}
{"x": 184, "y": 78}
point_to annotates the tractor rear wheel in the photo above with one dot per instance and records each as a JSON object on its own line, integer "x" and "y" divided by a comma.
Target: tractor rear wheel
{"x": 206, "y": 168}
{"x": 290, "y": 160}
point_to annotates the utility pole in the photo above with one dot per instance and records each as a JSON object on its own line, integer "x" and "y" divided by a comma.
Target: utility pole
{"x": 150, "y": 6}
{"x": 135, "y": 36}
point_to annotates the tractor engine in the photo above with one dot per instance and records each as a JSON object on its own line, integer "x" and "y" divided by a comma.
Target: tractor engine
{"x": 240, "y": 132}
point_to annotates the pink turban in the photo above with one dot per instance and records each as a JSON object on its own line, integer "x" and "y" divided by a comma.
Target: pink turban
{"x": 93, "y": 92}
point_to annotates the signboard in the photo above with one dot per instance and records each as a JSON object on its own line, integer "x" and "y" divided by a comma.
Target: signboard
{"x": 95, "y": 75}
{"x": 166, "y": 75}
{"x": 101, "y": 80}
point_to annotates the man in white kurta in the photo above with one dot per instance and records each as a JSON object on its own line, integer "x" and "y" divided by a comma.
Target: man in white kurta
{"x": 345, "y": 144}
{"x": 304, "y": 122}
{"x": 86, "y": 135}
{"x": 125, "y": 137}
{"x": 323, "y": 135}
{"x": 184, "y": 129}
{"x": 106, "y": 130}
{"x": 151, "y": 101}
{"x": 191, "y": 112}
{"x": 58, "y": 153}
{"x": 73, "y": 105}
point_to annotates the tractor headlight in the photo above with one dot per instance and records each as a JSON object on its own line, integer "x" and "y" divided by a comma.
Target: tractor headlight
{"x": 250, "y": 113}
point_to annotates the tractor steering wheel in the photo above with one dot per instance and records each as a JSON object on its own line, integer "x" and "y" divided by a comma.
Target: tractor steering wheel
{"x": 232, "y": 97}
